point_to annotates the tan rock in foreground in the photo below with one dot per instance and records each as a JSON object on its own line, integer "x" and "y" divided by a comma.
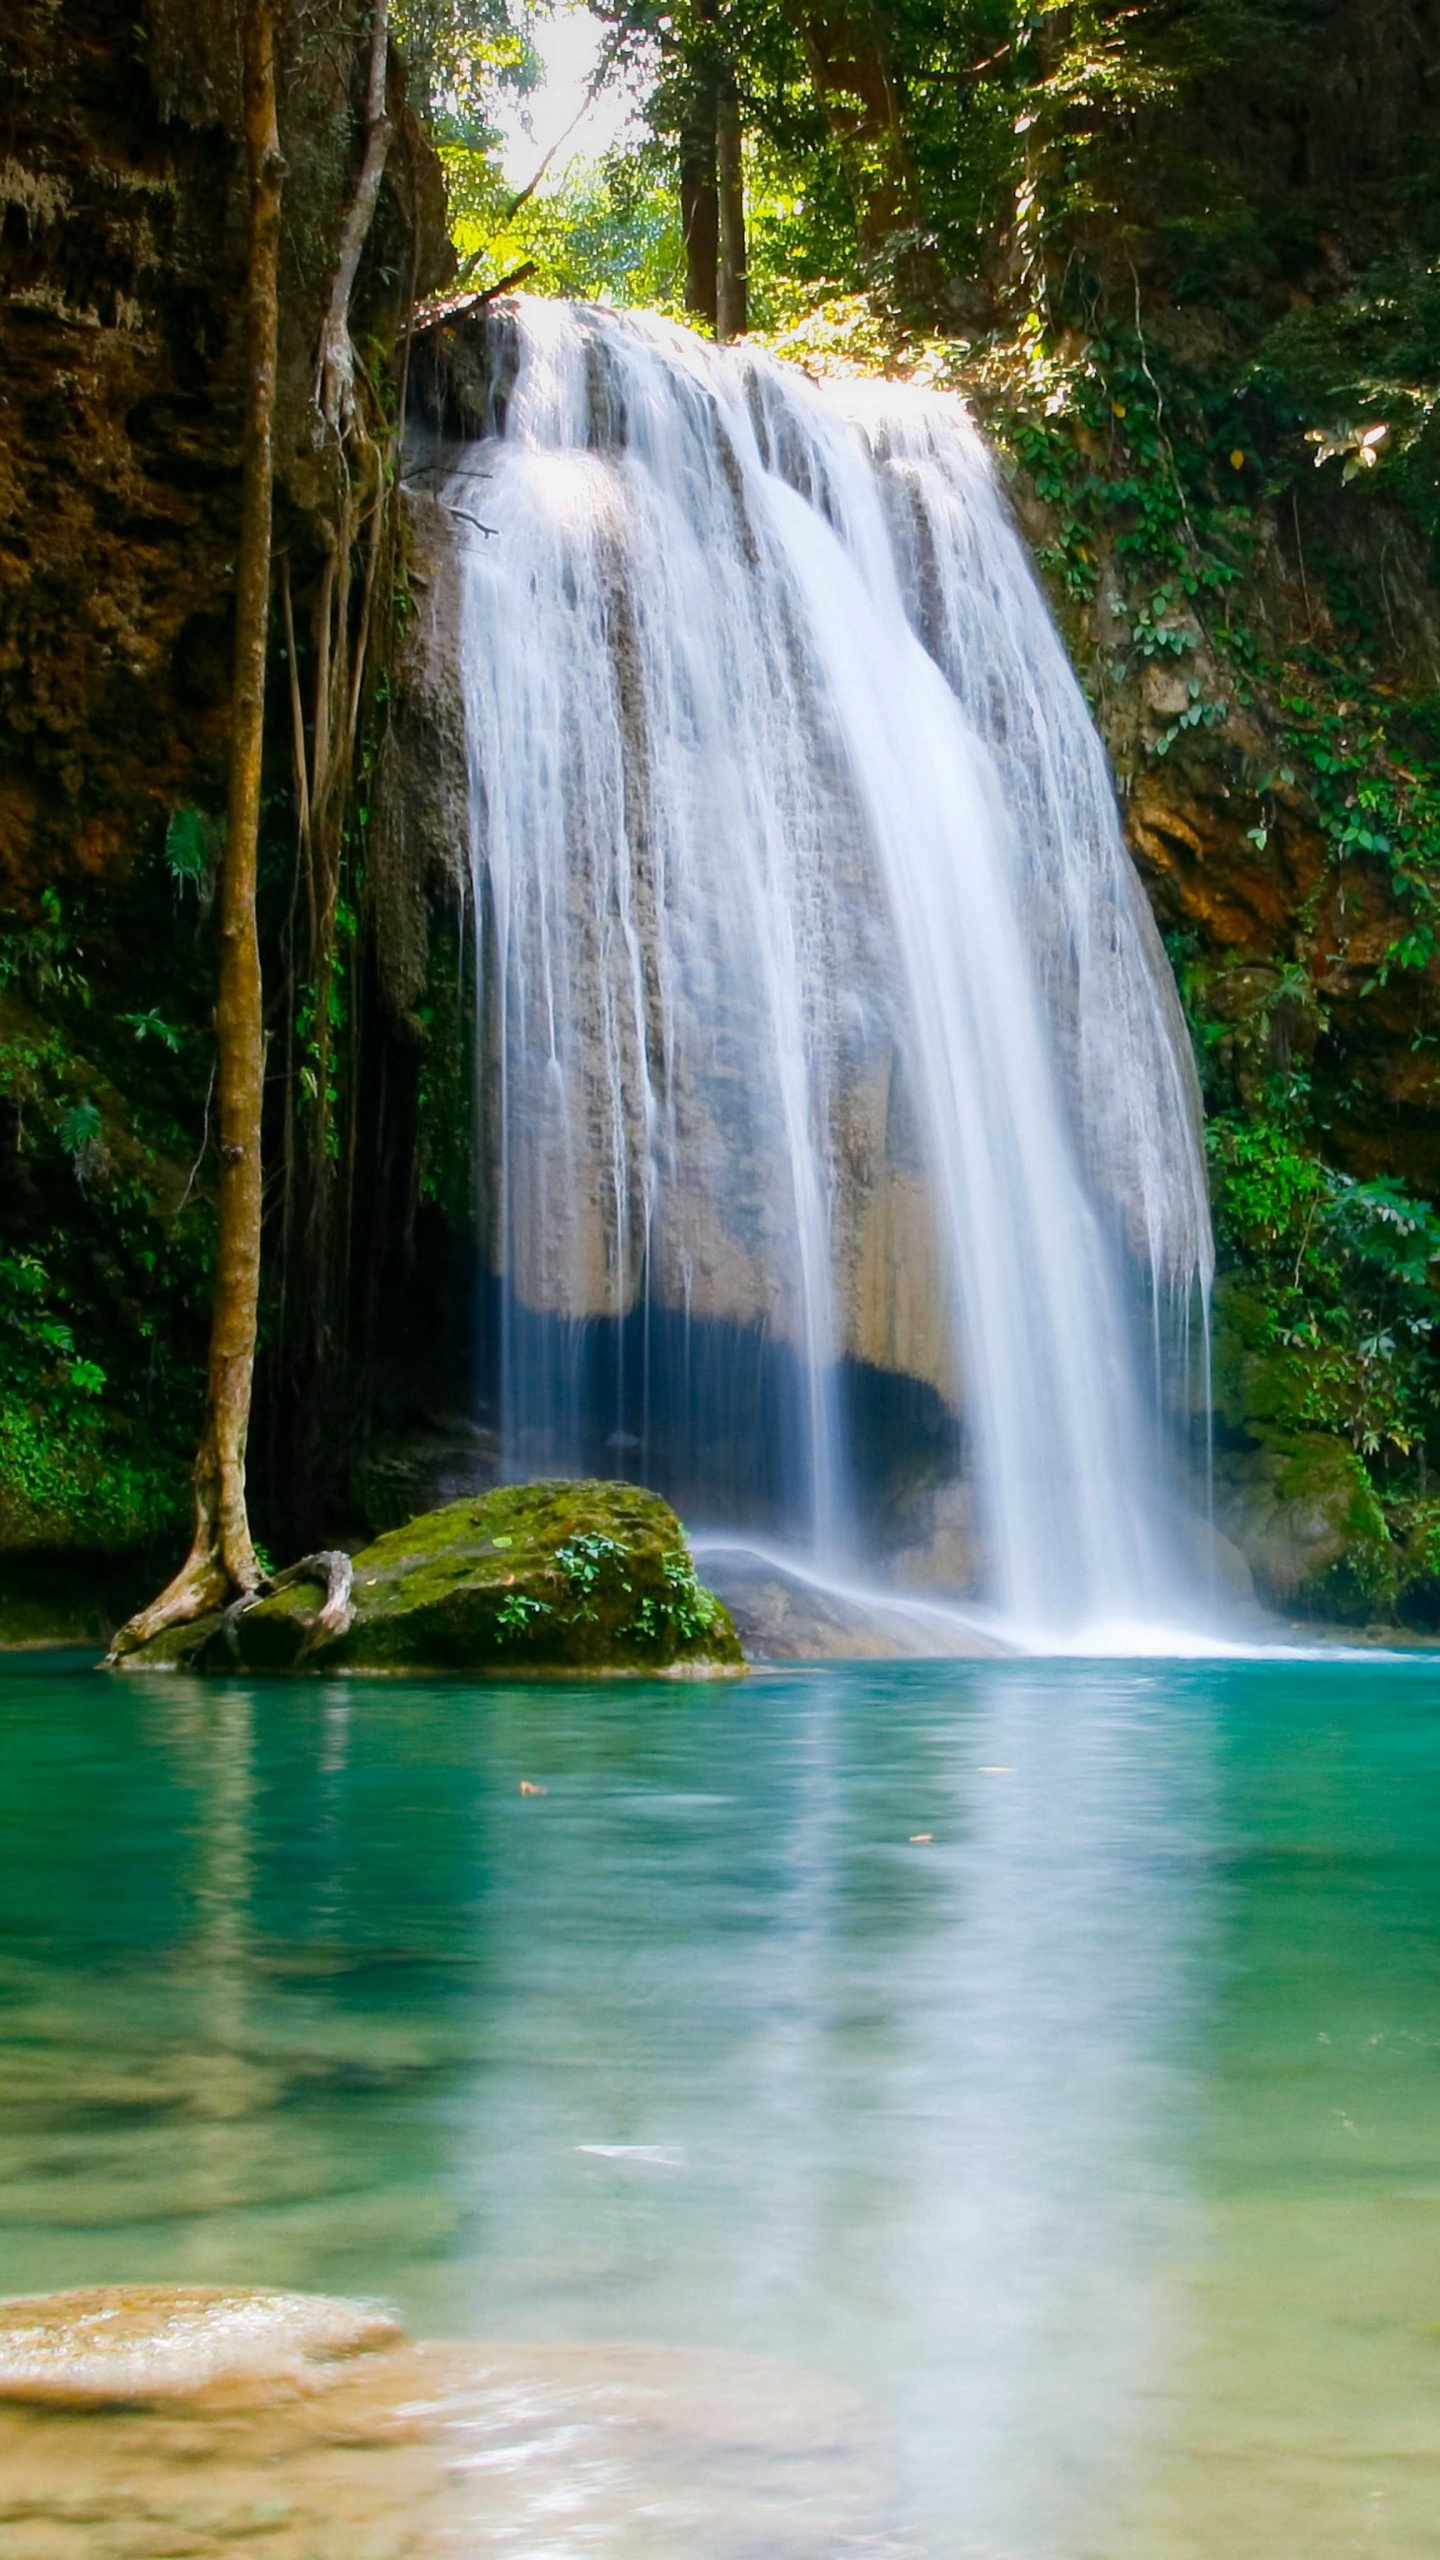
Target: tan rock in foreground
{"x": 147, "y": 2344}
{"x": 195, "y": 2422}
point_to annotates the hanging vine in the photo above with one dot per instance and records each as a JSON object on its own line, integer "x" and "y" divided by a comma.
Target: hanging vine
{"x": 331, "y": 680}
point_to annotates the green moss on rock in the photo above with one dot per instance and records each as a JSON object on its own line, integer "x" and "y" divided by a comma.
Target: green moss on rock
{"x": 1302, "y": 1510}
{"x": 537, "y": 1581}
{"x": 1417, "y": 1525}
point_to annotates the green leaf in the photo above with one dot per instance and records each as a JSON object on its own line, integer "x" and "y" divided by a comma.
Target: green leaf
{"x": 80, "y": 1129}
{"x": 191, "y": 843}
{"x": 151, "y": 1026}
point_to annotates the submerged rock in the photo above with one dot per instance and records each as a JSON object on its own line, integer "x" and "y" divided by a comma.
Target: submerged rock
{"x": 143, "y": 2345}
{"x": 536, "y": 1581}
{"x": 366, "y": 2443}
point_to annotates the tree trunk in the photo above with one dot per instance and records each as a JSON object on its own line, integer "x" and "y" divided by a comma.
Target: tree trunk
{"x": 700, "y": 203}
{"x": 222, "y": 1558}
{"x": 850, "y": 68}
{"x": 335, "y": 377}
{"x": 732, "y": 301}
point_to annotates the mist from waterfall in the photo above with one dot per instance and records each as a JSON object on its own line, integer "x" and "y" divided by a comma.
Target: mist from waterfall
{"x": 826, "y": 1039}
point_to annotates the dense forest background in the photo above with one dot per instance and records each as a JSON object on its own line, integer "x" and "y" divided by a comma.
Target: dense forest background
{"x": 1184, "y": 260}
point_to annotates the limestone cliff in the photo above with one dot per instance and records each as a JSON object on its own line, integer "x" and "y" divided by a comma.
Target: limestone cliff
{"x": 121, "y": 278}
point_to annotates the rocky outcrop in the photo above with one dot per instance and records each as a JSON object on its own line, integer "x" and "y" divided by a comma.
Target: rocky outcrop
{"x": 1224, "y": 825}
{"x": 784, "y": 1615}
{"x": 1304, "y": 1514}
{"x": 540, "y": 1581}
{"x": 1297, "y": 1502}
{"x": 121, "y": 303}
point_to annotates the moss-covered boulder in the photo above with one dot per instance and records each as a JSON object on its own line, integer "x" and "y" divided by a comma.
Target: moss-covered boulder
{"x": 1294, "y": 1495}
{"x": 536, "y": 1581}
{"x": 1416, "y": 1529}
{"x": 1302, "y": 1510}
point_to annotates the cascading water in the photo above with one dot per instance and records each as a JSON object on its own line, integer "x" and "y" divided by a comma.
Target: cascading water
{"x": 827, "y": 1041}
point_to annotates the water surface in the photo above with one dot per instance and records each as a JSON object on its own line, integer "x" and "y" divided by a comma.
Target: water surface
{"x": 1046, "y": 2053}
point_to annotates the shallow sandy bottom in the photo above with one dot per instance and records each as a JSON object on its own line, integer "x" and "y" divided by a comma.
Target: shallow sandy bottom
{"x": 401, "y": 2451}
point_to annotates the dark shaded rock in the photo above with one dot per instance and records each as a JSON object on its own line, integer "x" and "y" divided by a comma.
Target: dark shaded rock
{"x": 122, "y": 263}
{"x": 403, "y": 1473}
{"x": 537, "y": 1581}
{"x": 68, "y": 1599}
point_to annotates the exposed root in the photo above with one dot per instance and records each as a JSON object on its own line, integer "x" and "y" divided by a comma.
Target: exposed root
{"x": 333, "y": 1617}
{"x": 329, "y": 1565}
{"x": 198, "y": 1587}
{"x": 221, "y": 1562}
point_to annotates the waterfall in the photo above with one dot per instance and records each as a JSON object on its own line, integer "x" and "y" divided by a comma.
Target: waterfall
{"x": 832, "y": 1076}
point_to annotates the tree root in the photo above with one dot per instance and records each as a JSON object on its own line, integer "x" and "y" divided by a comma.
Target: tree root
{"x": 201, "y": 1585}
{"x": 329, "y": 1565}
{"x": 198, "y": 1587}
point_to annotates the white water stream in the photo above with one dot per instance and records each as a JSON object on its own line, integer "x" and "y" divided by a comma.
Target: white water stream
{"x": 827, "y": 1031}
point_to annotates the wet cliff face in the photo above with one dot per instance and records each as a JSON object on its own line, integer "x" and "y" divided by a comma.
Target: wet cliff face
{"x": 121, "y": 272}
{"x": 1258, "y": 865}
{"x": 121, "y": 327}
{"x": 1234, "y": 249}
{"x": 121, "y": 323}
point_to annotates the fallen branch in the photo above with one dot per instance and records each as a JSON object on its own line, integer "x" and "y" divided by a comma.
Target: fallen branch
{"x": 453, "y": 306}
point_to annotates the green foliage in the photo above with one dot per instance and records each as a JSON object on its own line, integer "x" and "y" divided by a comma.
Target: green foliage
{"x": 192, "y": 847}
{"x": 1342, "y": 1306}
{"x": 590, "y": 1563}
{"x": 152, "y": 1026}
{"x": 518, "y": 1615}
{"x": 586, "y": 1558}
{"x": 79, "y": 1132}
{"x": 608, "y": 230}
{"x": 460, "y": 54}
{"x": 686, "y": 1614}
{"x": 105, "y": 1234}
{"x": 38, "y": 956}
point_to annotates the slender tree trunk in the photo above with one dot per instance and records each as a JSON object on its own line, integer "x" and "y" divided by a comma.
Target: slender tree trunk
{"x": 335, "y": 378}
{"x": 358, "y": 532}
{"x": 222, "y": 1558}
{"x": 732, "y": 301}
{"x": 700, "y": 203}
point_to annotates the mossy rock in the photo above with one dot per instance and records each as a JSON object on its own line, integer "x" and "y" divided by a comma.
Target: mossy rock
{"x": 1304, "y": 1514}
{"x": 536, "y": 1581}
{"x": 1257, "y": 1384}
{"x": 1416, "y": 1529}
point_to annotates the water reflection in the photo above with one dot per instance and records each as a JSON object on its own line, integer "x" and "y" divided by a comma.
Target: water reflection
{"x": 844, "y": 2021}
{"x": 873, "y": 2021}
